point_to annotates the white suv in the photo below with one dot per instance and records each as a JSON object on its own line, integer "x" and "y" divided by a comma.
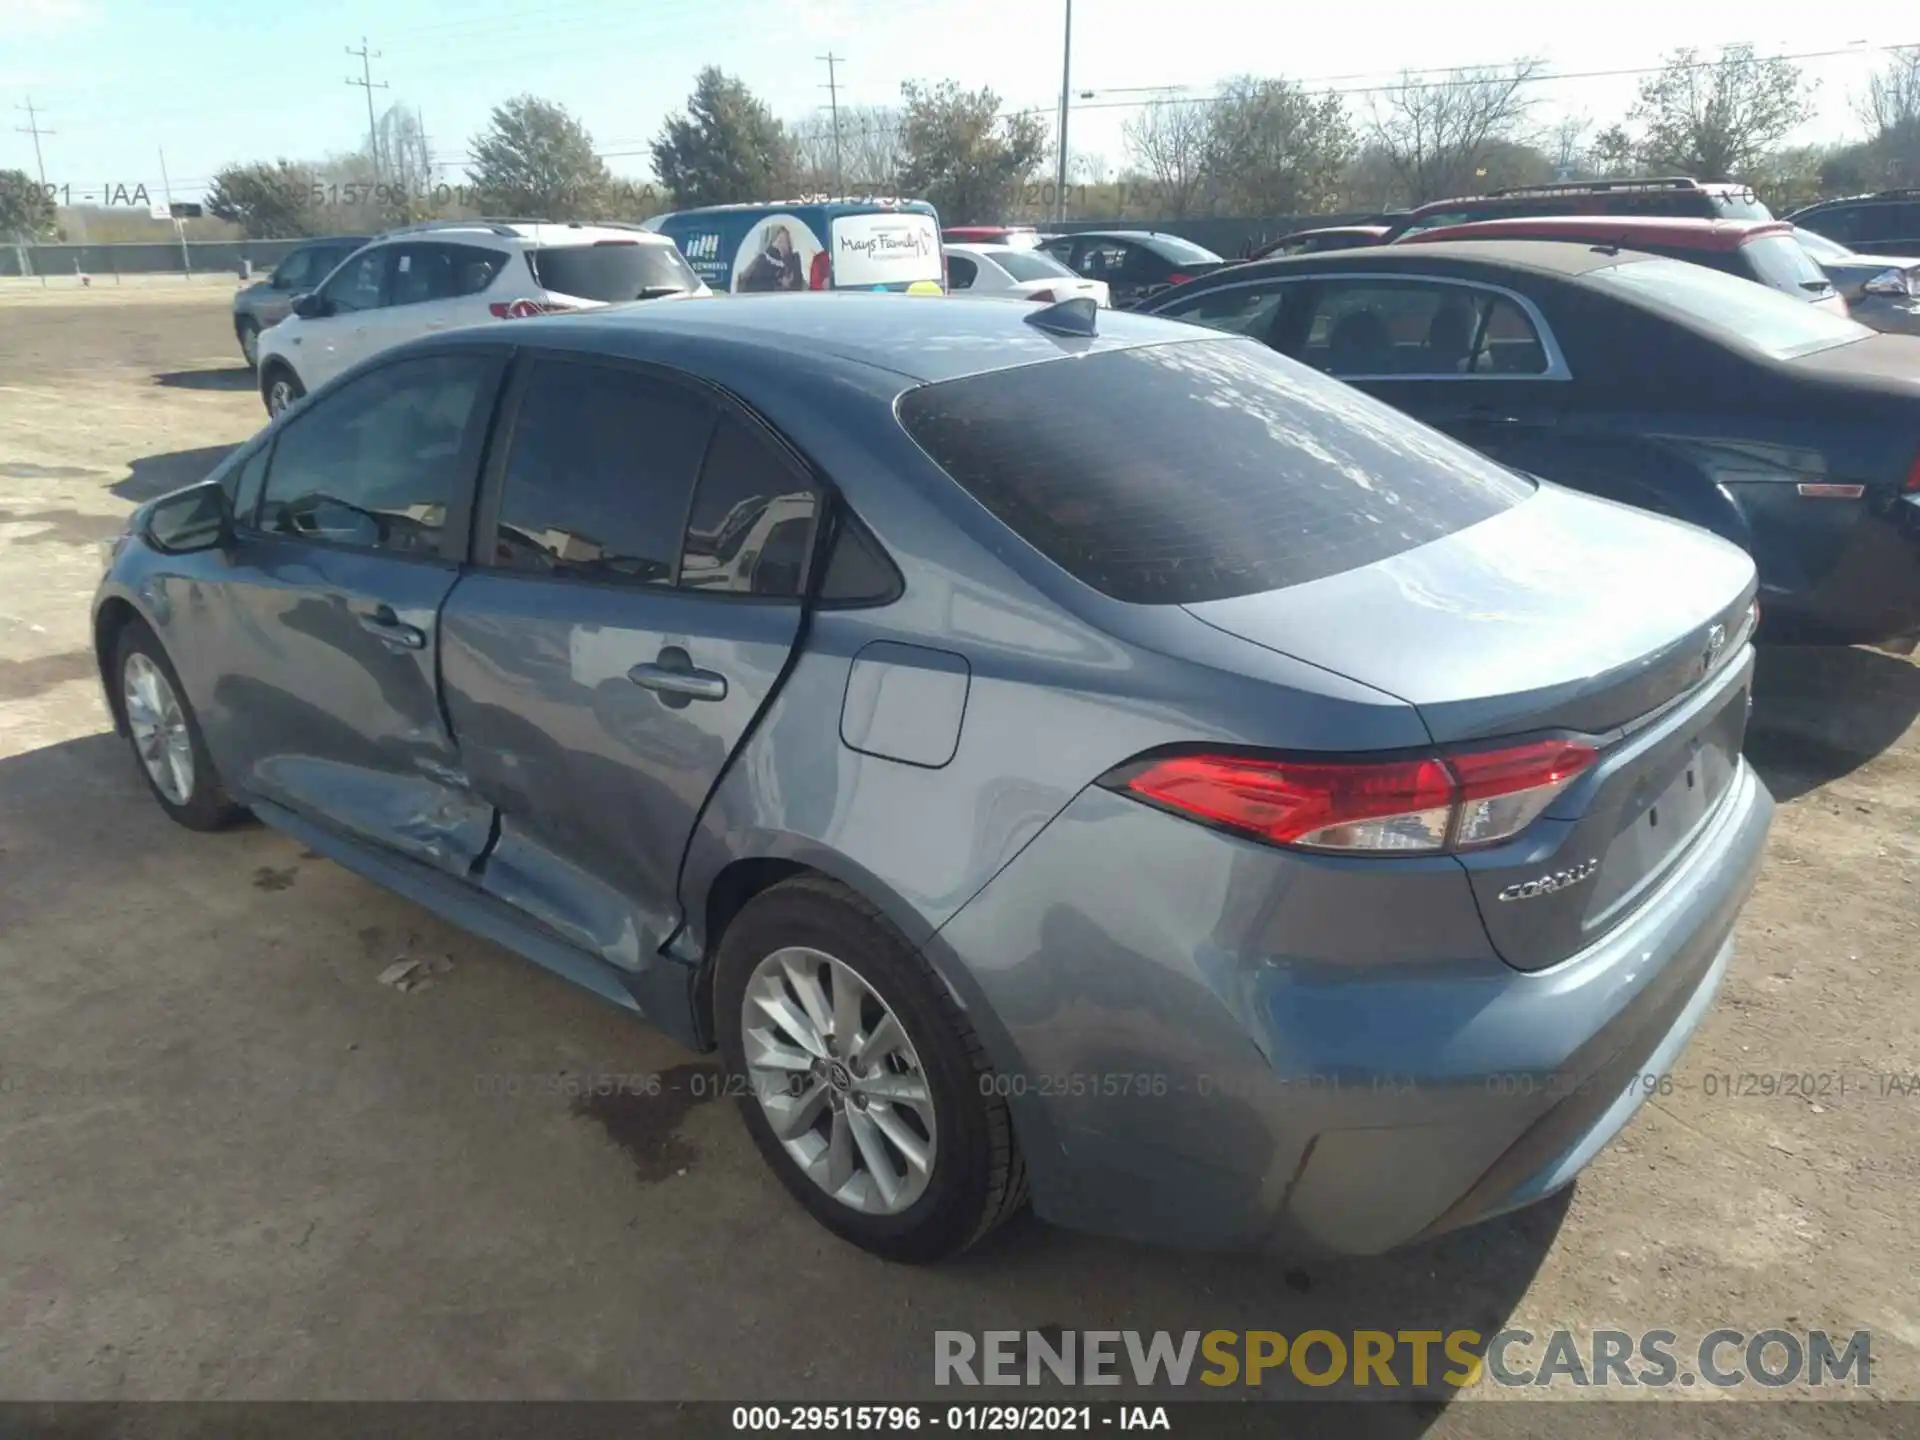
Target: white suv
{"x": 448, "y": 273}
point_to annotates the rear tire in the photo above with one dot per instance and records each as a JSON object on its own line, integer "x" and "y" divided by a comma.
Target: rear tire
{"x": 280, "y": 387}
{"x": 924, "y": 1089}
{"x": 164, "y": 734}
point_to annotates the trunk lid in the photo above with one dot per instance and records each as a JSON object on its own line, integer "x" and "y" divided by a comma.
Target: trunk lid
{"x": 1639, "y": 646}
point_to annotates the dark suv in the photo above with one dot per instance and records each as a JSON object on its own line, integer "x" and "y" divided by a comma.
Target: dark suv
{"x": 1674, "y": 197}
{"x": 1883, "y": 224}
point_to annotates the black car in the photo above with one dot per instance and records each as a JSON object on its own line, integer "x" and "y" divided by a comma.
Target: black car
{"x": 1673, "y": 197}
{"x": 1134, "y": 263}
{"x": 1789, "y": 430}
{"x": 1883, "y": 224}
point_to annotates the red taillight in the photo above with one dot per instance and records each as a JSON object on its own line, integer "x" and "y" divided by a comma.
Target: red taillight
{"x": 1428, "y": 804}
{"x": 819, "y": 271}
{"x": 1912, "y": 487}
{"x": 523, "y": 309}
{"x": 1177, "y": 278}
{"x": 1045, "y": 297}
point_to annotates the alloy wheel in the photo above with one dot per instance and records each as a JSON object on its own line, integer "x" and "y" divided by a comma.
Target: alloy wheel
{"x": 279, "y": 395}
{"x": 158, "y": 723}
{"x": 838, "y": 1079}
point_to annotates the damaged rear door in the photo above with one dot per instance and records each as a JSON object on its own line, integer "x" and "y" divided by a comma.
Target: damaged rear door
{"x": 327, "y": 699}
{"x": 640, "y": 557}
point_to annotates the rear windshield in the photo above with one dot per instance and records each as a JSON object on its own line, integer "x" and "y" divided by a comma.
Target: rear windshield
{"x": 1744, "y": 314}
{"x": 1176, "y": 249}
{"x": 1783, "y": 262}
{"x": 1028, "y": 264}
{"x": 1820, "y": 247}
{"x": 1217, "y": 468}
{"x": 611, "y": 270}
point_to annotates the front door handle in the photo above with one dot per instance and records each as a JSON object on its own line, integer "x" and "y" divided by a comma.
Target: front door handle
{"x": 391, "y": 628}
{"x": 673, "y": 674}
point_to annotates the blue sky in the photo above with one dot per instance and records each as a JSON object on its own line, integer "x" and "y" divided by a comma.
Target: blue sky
{"x": 215, "y": 81}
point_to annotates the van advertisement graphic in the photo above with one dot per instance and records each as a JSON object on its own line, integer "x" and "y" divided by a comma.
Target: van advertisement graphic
{"x": 777, "y": 254}
{"x": 886, "y": 249}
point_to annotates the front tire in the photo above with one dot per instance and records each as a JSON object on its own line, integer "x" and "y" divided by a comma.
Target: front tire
{"x": 279, "y": 388}
{"x": 165, "y": 735}
{"x": 248, "y": 333}
{"x": 865, "y": 1088}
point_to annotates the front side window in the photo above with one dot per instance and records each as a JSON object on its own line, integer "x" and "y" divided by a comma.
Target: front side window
{"x": 598, "y": 478}
{"x": 377, "y": 463}
{"x": 1408, "y": 329}
{"x": 360, "y": 284}
{"x": 1218, "y": 468}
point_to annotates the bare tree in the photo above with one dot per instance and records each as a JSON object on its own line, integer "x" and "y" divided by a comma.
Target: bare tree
{"x": 1567, "y": 146}
{"x": 1170, "y": 142}
{"x": 1717, "y": 119}
{"x": 869, "y": 150}
{"x": 1891, "y": 110}
{"x": 1436, "y": 133}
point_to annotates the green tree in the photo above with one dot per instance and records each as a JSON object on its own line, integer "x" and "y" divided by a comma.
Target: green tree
{"x": 727, "y": 147}
{"x": 274, "y": 200}
{"x": 1272, "y": 149}
{"x": 535, "y": 160}
{"x": 26, "y": 210}
{"x": 1716, "y": 119}
{"x": 959, "y": 152}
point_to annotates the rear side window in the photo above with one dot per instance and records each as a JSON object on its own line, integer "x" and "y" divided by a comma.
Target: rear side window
{"x": 613, "y": 271}
{"x": 750, "y": 528}
{"x": 961, "y": 272}
{"x": 599, "y": 474}
{"x": 1783, "y": 262}
{"x": 1218, "y": 469}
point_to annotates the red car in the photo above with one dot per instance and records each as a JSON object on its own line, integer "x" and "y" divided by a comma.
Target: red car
{"x": 1764, "y": 251}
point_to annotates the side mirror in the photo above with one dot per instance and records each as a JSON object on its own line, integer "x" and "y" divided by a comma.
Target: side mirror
{"x": 197, "y": 518}
{"x": 1894, "y": 281}
{"x": 312, "y": 307}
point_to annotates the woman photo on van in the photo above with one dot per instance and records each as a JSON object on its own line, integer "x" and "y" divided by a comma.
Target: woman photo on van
{"x": 777, "y": 267}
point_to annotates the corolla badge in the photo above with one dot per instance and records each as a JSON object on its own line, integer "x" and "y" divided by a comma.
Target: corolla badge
{"x": 1551, "y": 884}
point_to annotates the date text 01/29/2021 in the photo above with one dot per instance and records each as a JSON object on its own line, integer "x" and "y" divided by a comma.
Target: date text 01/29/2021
{"x": 960, "y": 1419}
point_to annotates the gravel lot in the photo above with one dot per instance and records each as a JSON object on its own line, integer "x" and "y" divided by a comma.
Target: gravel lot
{"x": 235, "y": 1165}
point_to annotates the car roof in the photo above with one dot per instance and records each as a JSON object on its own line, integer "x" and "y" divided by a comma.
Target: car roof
{"x": 1336, "y": 230}
{"x": 864, "y": 202}
{"x": 1522, "y": 194}
{"x": 1692, "y": 233}
{"x": 1545, "y": 257}
{"x": 919, "y": 338}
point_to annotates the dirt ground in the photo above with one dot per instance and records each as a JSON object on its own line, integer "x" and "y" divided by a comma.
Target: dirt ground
{"x": 234, "y": 1165}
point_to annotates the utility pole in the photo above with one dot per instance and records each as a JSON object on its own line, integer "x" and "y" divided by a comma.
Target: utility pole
{"x": 832, "y": 87}
{"x": 1066, "y": 74}
{"x": 166, "y": 188}
{"x": 366, "y": 82}
{"x": 32, "y": 127}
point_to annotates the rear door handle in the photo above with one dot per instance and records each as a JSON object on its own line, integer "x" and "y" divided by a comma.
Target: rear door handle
{"x": 390, "y": 627}
{"x": 674, "y": 674}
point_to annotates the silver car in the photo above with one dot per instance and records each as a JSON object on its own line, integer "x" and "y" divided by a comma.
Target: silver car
{"x": 1047, "y": 754}
{"x": 267, "y": 302}
{"x": 1881, "y": 291}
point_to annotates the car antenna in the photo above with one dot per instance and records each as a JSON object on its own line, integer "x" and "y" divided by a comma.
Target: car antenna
{"x": 1073, "y": 316}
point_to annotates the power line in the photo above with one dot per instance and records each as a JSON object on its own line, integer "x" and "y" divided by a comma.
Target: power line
{"x": 366, "y": 82}
{"x": 32, "y": 127}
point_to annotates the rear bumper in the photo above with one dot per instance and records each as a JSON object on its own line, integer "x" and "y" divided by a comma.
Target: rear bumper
{"x": 1868, "y": 588}
{"x": 1209, "y": 1042}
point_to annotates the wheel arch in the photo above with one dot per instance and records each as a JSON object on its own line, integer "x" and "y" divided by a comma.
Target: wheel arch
{"x": 110, "y": 621}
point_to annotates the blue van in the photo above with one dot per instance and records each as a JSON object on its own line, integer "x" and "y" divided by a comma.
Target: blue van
{"x": 810, "y": 244}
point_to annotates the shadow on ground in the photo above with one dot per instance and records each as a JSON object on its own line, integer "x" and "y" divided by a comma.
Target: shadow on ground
{"x": 239, "y": 378}
{"x": 1820, "y": 712}
{"x": 157, "y": 474}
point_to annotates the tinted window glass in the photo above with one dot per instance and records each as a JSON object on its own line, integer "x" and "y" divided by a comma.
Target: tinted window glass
{"x": 296, "y": 272}
{"x": 613, "y": 270}
{"x": 1408, "y": 329}
{"x": 360, "y": 283}
{"x": 858, "y": 570}
{"x": 474, "y": 268}
{"x": 1239, "y": 309}
{"x": 420, "y": 273}
{"x": 598, "y": 478}
{"x": 376, "y": 463}
{"x": 243, "y": 484}
{"x": 1740, "y": 312}
{"x": 960, "y": 272}
{"x": 751, "y": 523}
{"x": 1820, "y": 247}
{"x": 1782, "y": 262}
{"x": 1218, "y": 469}
{"x": 1028, "y": 264}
